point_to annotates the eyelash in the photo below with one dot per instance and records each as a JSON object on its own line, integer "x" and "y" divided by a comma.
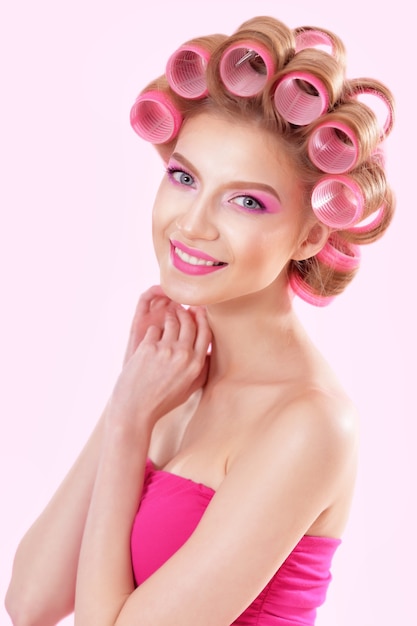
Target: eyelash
{"x": 260, "y": 207}
{"x": 171, "y": 171}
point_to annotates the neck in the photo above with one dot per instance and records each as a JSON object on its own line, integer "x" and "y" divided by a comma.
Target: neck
{"x": 253, "y": 336}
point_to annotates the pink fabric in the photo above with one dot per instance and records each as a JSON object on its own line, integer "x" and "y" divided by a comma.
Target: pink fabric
{"x": 170, "y": 509}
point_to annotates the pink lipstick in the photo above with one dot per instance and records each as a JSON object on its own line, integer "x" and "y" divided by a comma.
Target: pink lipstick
{"x": 193, "y": 262}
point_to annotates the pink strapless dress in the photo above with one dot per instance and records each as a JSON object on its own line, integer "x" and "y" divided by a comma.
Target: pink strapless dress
{"x": 170, "y": 509}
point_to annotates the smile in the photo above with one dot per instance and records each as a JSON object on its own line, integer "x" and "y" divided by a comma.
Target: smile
{"x": 193, "y": 260}
{"x": 183, "y": 259}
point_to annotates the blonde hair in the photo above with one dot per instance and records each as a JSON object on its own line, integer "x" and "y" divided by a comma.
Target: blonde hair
{"x": 299, "y": 52}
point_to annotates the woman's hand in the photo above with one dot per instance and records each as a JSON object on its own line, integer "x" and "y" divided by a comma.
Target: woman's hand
{"x": 166, "y": 359}
{"x": 150, "y": 311}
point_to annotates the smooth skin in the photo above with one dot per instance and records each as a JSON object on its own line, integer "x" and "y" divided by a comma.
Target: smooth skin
{"x": 261, "y": 419}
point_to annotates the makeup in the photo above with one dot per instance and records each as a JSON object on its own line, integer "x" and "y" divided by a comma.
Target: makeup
{"x": 256, "y": 201}
{"x": 193, "y": 262}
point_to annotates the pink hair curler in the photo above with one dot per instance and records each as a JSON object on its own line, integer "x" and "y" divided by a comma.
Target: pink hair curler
{"x": 303, "y": 291}
{"x": 186, "y": 71}
{"x": 370, "y": 223}
{"x": 245, "y": 68}
{"x": 155, "y": 118}
{"x": 295, "y": 104}
{"x": 380, "y": 105}
{"x": 333, "y": 147}
{"x": 337, "y": 201}
{"x": 312, "y": 38}
{"x": 378, "y": 156}
{"x": 339, "y": 254}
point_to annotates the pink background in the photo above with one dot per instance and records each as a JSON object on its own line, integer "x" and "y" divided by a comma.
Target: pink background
{"x": 75, "y": 197}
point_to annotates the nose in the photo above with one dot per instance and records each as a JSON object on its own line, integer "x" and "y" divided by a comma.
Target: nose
{"x": 197, "y": 222}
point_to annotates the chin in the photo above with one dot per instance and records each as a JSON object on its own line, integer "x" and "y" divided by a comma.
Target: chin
{"x": 180, "y": 293}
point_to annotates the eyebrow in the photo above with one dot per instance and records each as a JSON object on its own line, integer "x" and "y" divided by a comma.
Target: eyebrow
{"x": 244, "y": 184}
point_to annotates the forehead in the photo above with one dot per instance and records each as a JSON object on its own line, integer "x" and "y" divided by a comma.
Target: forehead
{"x": 237, "y": 150}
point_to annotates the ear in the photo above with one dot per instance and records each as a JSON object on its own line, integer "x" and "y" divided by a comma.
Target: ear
{"x": 315, "y": 239}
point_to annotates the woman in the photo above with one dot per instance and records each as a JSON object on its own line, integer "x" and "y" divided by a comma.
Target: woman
{"x": 217, "y": 483}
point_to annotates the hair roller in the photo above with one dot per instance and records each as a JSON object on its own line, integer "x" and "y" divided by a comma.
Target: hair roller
{"x": 242, "y": 65}
{"x": 320, "y": 39}
{"x": 369, "y": 224}
{"x": 372, "y": 180}
{"x": 303, "y": 290}
{"x": 154, "y": 117}
{"x": 377, "y": 97}
{"x": 339, "y": 254}
{"x": 378, "y": 156}
{"x": 373, "y": 226}
{"x": 344, "y": 138}
{"x": 186, "y": 71}
{"x": 300, "y": 98}
{"x": 312, "y": 38}
{"x": 333, "y": 147}
{"x": 310, "y": 84}
{"x": 245, "y": 68}
{"x": 186, "y": 67}
{"x": 337, "y": 201}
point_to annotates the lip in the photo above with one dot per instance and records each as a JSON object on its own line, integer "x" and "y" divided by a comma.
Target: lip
{"x": 188, "y": 268}
{"x": 193, "y": 251}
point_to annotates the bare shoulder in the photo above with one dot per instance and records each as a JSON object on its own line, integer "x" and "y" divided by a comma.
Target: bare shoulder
{"x": 321, "y": 428}
{"x": 321, "y": 414}
{"x": 311, "y": 409}
{"x": 316, "y": 428}
{"x": 305, "y": 458}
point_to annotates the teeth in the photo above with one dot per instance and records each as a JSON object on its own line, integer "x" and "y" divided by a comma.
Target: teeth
{"x": 193, "y": 260}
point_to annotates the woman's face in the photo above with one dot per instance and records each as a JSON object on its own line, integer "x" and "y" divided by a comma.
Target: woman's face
{"x": 228, "y": 215}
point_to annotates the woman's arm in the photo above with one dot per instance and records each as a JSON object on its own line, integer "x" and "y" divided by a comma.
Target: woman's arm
{"x": 167, "y": 367}
{"x": 42, "y": 587}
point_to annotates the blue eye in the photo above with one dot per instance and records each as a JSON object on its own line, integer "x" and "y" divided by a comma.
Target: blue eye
{"x": 249, "y": 203}
{"x": 180, "y": 177}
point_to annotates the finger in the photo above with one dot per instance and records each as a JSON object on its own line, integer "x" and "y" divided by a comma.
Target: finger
{"x": 188, "y": 328}
{"x": 201, "y": 379}
{"x": 203, "y": 334}
{"x": 171, "y": 327}
{"x": 153, "y": 334}
{"x": 149, "y": 298}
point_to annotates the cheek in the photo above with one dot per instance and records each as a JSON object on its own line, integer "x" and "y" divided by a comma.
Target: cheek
{"x": 158, "y": 228}
{"x": 270, "y": 253}
{"x": 161, "y": 198}
{"x": 160, "y": 214}
{"x": 166, "y": 205}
